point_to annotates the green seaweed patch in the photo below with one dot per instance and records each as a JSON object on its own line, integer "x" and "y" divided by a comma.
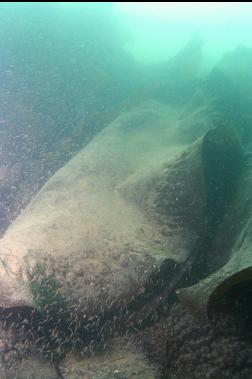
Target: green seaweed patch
{"x": 45, "y": 290}
{"x": 54, "y": 324}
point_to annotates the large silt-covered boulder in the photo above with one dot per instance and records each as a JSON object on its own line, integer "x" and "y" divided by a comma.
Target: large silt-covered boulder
{"x": 134, "y": 197}
{"x": 109, "y": 236}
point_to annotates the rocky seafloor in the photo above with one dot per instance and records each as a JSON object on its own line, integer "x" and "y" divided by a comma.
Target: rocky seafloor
{"x": 183, "y": 347}
{"x": 175, "y": 347}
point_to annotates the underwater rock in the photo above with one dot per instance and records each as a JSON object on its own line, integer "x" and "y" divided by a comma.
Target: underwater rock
{"x": 201, "y": 350}
{"x": 236, "y": 66}
{"x": 110, "y": 235}
{"x": 174, "y": 81}
{"x": 229, "y": 257}
{"x": 29, "y": 368}
{"x": 17, "y": 361}
{"x": 121, "y": 360}
{"x": 224, "y": 99}
{"x": 95, "y": 232}
{"x": 229, "y": 87}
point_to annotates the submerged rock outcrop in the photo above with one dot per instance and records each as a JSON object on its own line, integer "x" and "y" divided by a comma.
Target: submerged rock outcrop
{"x": 107, "y": 240}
